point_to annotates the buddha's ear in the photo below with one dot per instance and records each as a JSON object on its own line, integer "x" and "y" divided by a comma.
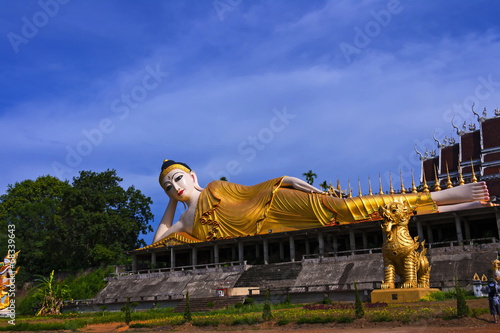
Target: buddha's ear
{"x": 195, "y": 180}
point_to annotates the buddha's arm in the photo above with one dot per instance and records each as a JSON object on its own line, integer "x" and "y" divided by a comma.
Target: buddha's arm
{"x": 461, "y": 194}
{"x": 166, "y": 221}
{"x": 299, "y": 184}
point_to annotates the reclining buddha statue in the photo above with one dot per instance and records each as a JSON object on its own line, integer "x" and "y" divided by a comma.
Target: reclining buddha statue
{"x": 228, "y": 210}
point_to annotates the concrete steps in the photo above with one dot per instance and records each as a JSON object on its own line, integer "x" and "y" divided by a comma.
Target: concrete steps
{"x": 200, "y": 304}
{"x": 275, "y": 275}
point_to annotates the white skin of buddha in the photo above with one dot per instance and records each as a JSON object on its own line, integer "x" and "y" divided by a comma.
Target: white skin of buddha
{"x": 182, "y": 186}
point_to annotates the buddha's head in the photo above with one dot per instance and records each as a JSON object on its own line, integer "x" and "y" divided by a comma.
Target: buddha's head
{"x": 178, "y": 180}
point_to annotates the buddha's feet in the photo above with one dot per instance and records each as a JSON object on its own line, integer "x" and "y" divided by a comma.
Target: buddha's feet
{"x": 462, "y": 194}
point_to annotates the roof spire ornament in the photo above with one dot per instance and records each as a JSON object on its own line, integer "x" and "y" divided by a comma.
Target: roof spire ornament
{"x": 461, "y": 179}
{"x": 474, "y": 179}
{"x": 419, "y": 153}
{"x": 359, "y": 186}
{"x": 497, "y": 112}
{"x": 380, "y": 185}
{"x": 436, "y": 184}
{"x": 448, "y": 183}
{"x": 426, "y": 188}
{"x": 339, "y": 188}
{"x": 459, "y": 132}
{"x": 391, "y": 191}
{"x": 413, "y": 187}
{"x": 403, "y": 191}
{"x": 369, "y": 186}
{"x": 350, "y": 190}
{"x": 479, "y": 118}
{"x": 440, "y": 145}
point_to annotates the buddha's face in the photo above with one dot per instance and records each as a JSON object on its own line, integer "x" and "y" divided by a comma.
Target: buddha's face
{"x": 179, "y": 185}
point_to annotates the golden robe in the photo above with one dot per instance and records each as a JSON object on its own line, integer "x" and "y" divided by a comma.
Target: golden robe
{"x": 228, "y": 210}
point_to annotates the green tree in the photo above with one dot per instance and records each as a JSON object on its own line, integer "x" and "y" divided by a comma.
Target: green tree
{"x": 34, "y": 208}
{"x": 187, "y": 308}
{"x": 266, "y": 312}
{"x": 53, "y": 294}
{"x": 324, "y": 186}
{"x": 360, "y": 312}
{"x": 102, "y": 220}
{"x": 309, "y": 175}
{"x": 58, "y": 225}
{"x": 126, "y": 310}
{"x": 462, "y": 308}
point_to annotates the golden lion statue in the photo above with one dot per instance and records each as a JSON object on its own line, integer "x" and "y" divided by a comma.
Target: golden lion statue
{"x": 495, "y": 267}
{"x": 400, "y": 249}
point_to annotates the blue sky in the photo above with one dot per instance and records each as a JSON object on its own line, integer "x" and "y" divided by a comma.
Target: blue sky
{"x": 247, "y": 89}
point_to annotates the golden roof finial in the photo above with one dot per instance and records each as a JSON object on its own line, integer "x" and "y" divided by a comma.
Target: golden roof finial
{"x": 339, "y": 188}
{"x": 436, "y": 184}
{"x": 350, "y": 190}
{"x": 449, "y": 184}
{"x": 426, "y": 188}
{"x": 413, "y": 187}
{"x": 461, "y": 179}
{"x": 380, "y": 185}
{"x": 474, "y": 179}
{"x": 359, "y": 186}
{"x": 369, "y": 186}
{"x": 476, "y": 277}
{"x": 331, "y": 190}
{"x": 403, "y": 191}
{"x": 391, "y": 190}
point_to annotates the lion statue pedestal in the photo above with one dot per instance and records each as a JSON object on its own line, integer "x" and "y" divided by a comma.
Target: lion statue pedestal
{"x": 402, "y": 257}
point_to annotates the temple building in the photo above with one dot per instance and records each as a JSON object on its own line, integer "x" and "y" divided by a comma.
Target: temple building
{"x": 475, "y": 157}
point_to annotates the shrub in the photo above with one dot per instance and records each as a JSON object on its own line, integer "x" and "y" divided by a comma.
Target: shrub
{"x": 283, "y": 321}
{"x": 381, "y": 316}
{"x": 238, "y": 305}
{"x": 210, "y": 304}
{"x": 476, "y": 312}
{"x": 344, "y": 318}
{"x": 248, "y": 301}
{"x": 187, "y": 308}
{"x": 326, "y": 301}
{"x": 358, "y": 305}
{"x": 462, "y": 308}
{"x": 126, "y": 310}
{"x": 266, "y": 312}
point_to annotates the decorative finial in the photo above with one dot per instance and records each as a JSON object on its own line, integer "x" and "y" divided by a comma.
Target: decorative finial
{"x": 497, "y": 112}
{"x": 380, "y": 185}
{"x": 391, "y": 190}
{"x": 433, "y": 153}
{"x": 474, "y": 179}
{"x": 479, "y": 118}
{"x": 459, "y": 132}
{"x": 461, "y": 179}
{"x": 359, "y": 186}
{"x": 339, "y": 188}
{"x": 403, "y": 191}
{"x": 451, "y": 141}
{"x": 448, "y": 183}
{"x": 369, "y": 186}
{"x": 350, "y": 190}
{"x": 440, "y": 145}
{"x": 419, "y": 153}
{"x": 413, "y": 187}
{"x": 485, "y": 114}
{"x": 436, "y": 184}
{"x": 426, "y": 188}
{"x": 472, "y": 127}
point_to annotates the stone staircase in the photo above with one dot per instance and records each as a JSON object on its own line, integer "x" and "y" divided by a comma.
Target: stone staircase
{"x": 200, "y": 304}
{"x": 269, "y": 276}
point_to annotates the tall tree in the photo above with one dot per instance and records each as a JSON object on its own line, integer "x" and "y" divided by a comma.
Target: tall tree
{"x": 102, "y": 220}
{"x": 309, "y": 175}
{"x": 62, "y": 226}
{"x": 34, "y": 208}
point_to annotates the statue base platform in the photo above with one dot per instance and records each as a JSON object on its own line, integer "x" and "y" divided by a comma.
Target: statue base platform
{"x": 399, "y": 295}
